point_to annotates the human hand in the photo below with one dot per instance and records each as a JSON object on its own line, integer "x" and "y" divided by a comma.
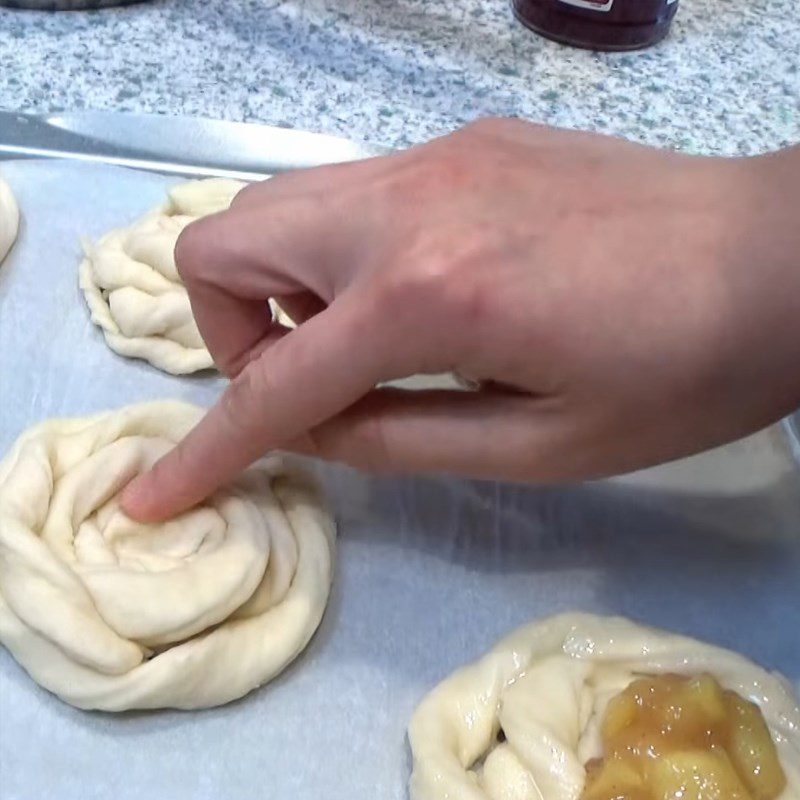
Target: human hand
{"x": 620, "y": 305}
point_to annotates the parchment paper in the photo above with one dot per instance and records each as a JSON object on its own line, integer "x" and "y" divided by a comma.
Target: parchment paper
{"x": 430, "y": 572}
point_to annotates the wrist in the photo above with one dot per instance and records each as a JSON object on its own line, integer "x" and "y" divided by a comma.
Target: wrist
{"x": 760, "y": 274}
{"x": 774, "y": 181}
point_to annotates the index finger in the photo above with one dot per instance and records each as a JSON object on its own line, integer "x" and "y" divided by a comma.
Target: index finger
{"x": 307, "y": 376}
{"x": 295, "y": 234}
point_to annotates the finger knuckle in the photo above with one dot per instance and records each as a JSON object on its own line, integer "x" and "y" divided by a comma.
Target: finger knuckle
{"x": 190, "y": 249}
{"x": 448, "y": 172}
{"x": 435, "y": 172}
{"x": 371, "y": 445}
{"x": 242, "y": 401}
{"x": 246, "y": 195}
{"x": 494, "y": 126}
{"x": 485, "y": 126}
{"x": 440, "y": 280}
{"x": 362, "y": 443}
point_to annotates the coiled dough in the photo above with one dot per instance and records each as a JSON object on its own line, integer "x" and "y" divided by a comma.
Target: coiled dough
{"x": 133, "y": 289}
{"x": 112, "y": 614}
{"x": 546, "y": 686}
{"x": 9, "y": 219}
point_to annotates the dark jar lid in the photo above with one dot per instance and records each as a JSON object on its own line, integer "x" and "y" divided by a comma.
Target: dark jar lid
{"x": 65, "y": 5}
{"x": 599, "y": 24}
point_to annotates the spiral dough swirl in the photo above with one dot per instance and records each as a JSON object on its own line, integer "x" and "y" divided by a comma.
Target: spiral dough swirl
{"x": 133, "y": 289}
{"x": 112, "y": 614}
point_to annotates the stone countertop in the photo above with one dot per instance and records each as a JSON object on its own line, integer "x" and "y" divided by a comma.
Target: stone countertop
{"x": 727, "y": 80}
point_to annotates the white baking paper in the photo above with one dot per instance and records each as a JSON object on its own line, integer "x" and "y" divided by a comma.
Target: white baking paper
{"x": 430, "y": 572}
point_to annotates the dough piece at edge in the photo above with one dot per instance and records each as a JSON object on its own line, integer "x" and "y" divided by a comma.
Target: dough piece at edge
{"x": 133, "y": 269}
{"x": 9, "y": 220}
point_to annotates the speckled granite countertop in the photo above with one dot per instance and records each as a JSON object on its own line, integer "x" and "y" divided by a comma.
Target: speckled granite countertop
{"x": 395, "y": 72}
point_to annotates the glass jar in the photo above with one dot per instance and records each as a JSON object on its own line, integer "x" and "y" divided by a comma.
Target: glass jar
{"x": 599, "y": 24}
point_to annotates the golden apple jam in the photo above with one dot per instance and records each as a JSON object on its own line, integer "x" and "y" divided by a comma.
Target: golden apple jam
{"x": 671, "y": 737}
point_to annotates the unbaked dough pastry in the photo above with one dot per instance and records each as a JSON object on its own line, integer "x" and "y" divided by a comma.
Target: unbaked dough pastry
{"x": 112, "y": 614}
{"x": 133, "y": 289}
{"x": 9, "y": 219}
{"x": 521, "y": 723}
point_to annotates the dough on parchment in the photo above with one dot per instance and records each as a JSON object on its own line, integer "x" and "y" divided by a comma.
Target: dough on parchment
{"x": 9, "y": 219}
{"x": 133, "y": 289}
{"x": 111, "y": 614}
{"x": 136, "y": 296}
{"x": 546, "y": 686}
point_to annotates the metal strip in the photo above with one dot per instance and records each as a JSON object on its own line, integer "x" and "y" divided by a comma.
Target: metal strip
{"x": 173, "y": 145}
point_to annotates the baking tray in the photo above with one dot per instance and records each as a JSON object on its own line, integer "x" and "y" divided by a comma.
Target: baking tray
{"x": 187, "y": 146}
{"x": 430, "y": 571}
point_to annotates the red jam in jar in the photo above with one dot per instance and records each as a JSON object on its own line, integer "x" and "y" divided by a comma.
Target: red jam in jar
{"x": 599, "y": 24}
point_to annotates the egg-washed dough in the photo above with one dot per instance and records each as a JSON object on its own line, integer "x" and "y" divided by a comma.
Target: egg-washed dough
{"x": 133, "y": 289}
{"x": 547, "y": 686}
{"x": 9, "y": 219}
{"x": 111, "y": 614}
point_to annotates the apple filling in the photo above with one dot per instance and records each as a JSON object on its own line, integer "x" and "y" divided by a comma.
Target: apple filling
{"x": 671, "y": 737}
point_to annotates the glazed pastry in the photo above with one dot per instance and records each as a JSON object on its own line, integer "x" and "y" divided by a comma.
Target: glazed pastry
{"x": 112, "y": 614}
{"x": 581, "y": 707}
